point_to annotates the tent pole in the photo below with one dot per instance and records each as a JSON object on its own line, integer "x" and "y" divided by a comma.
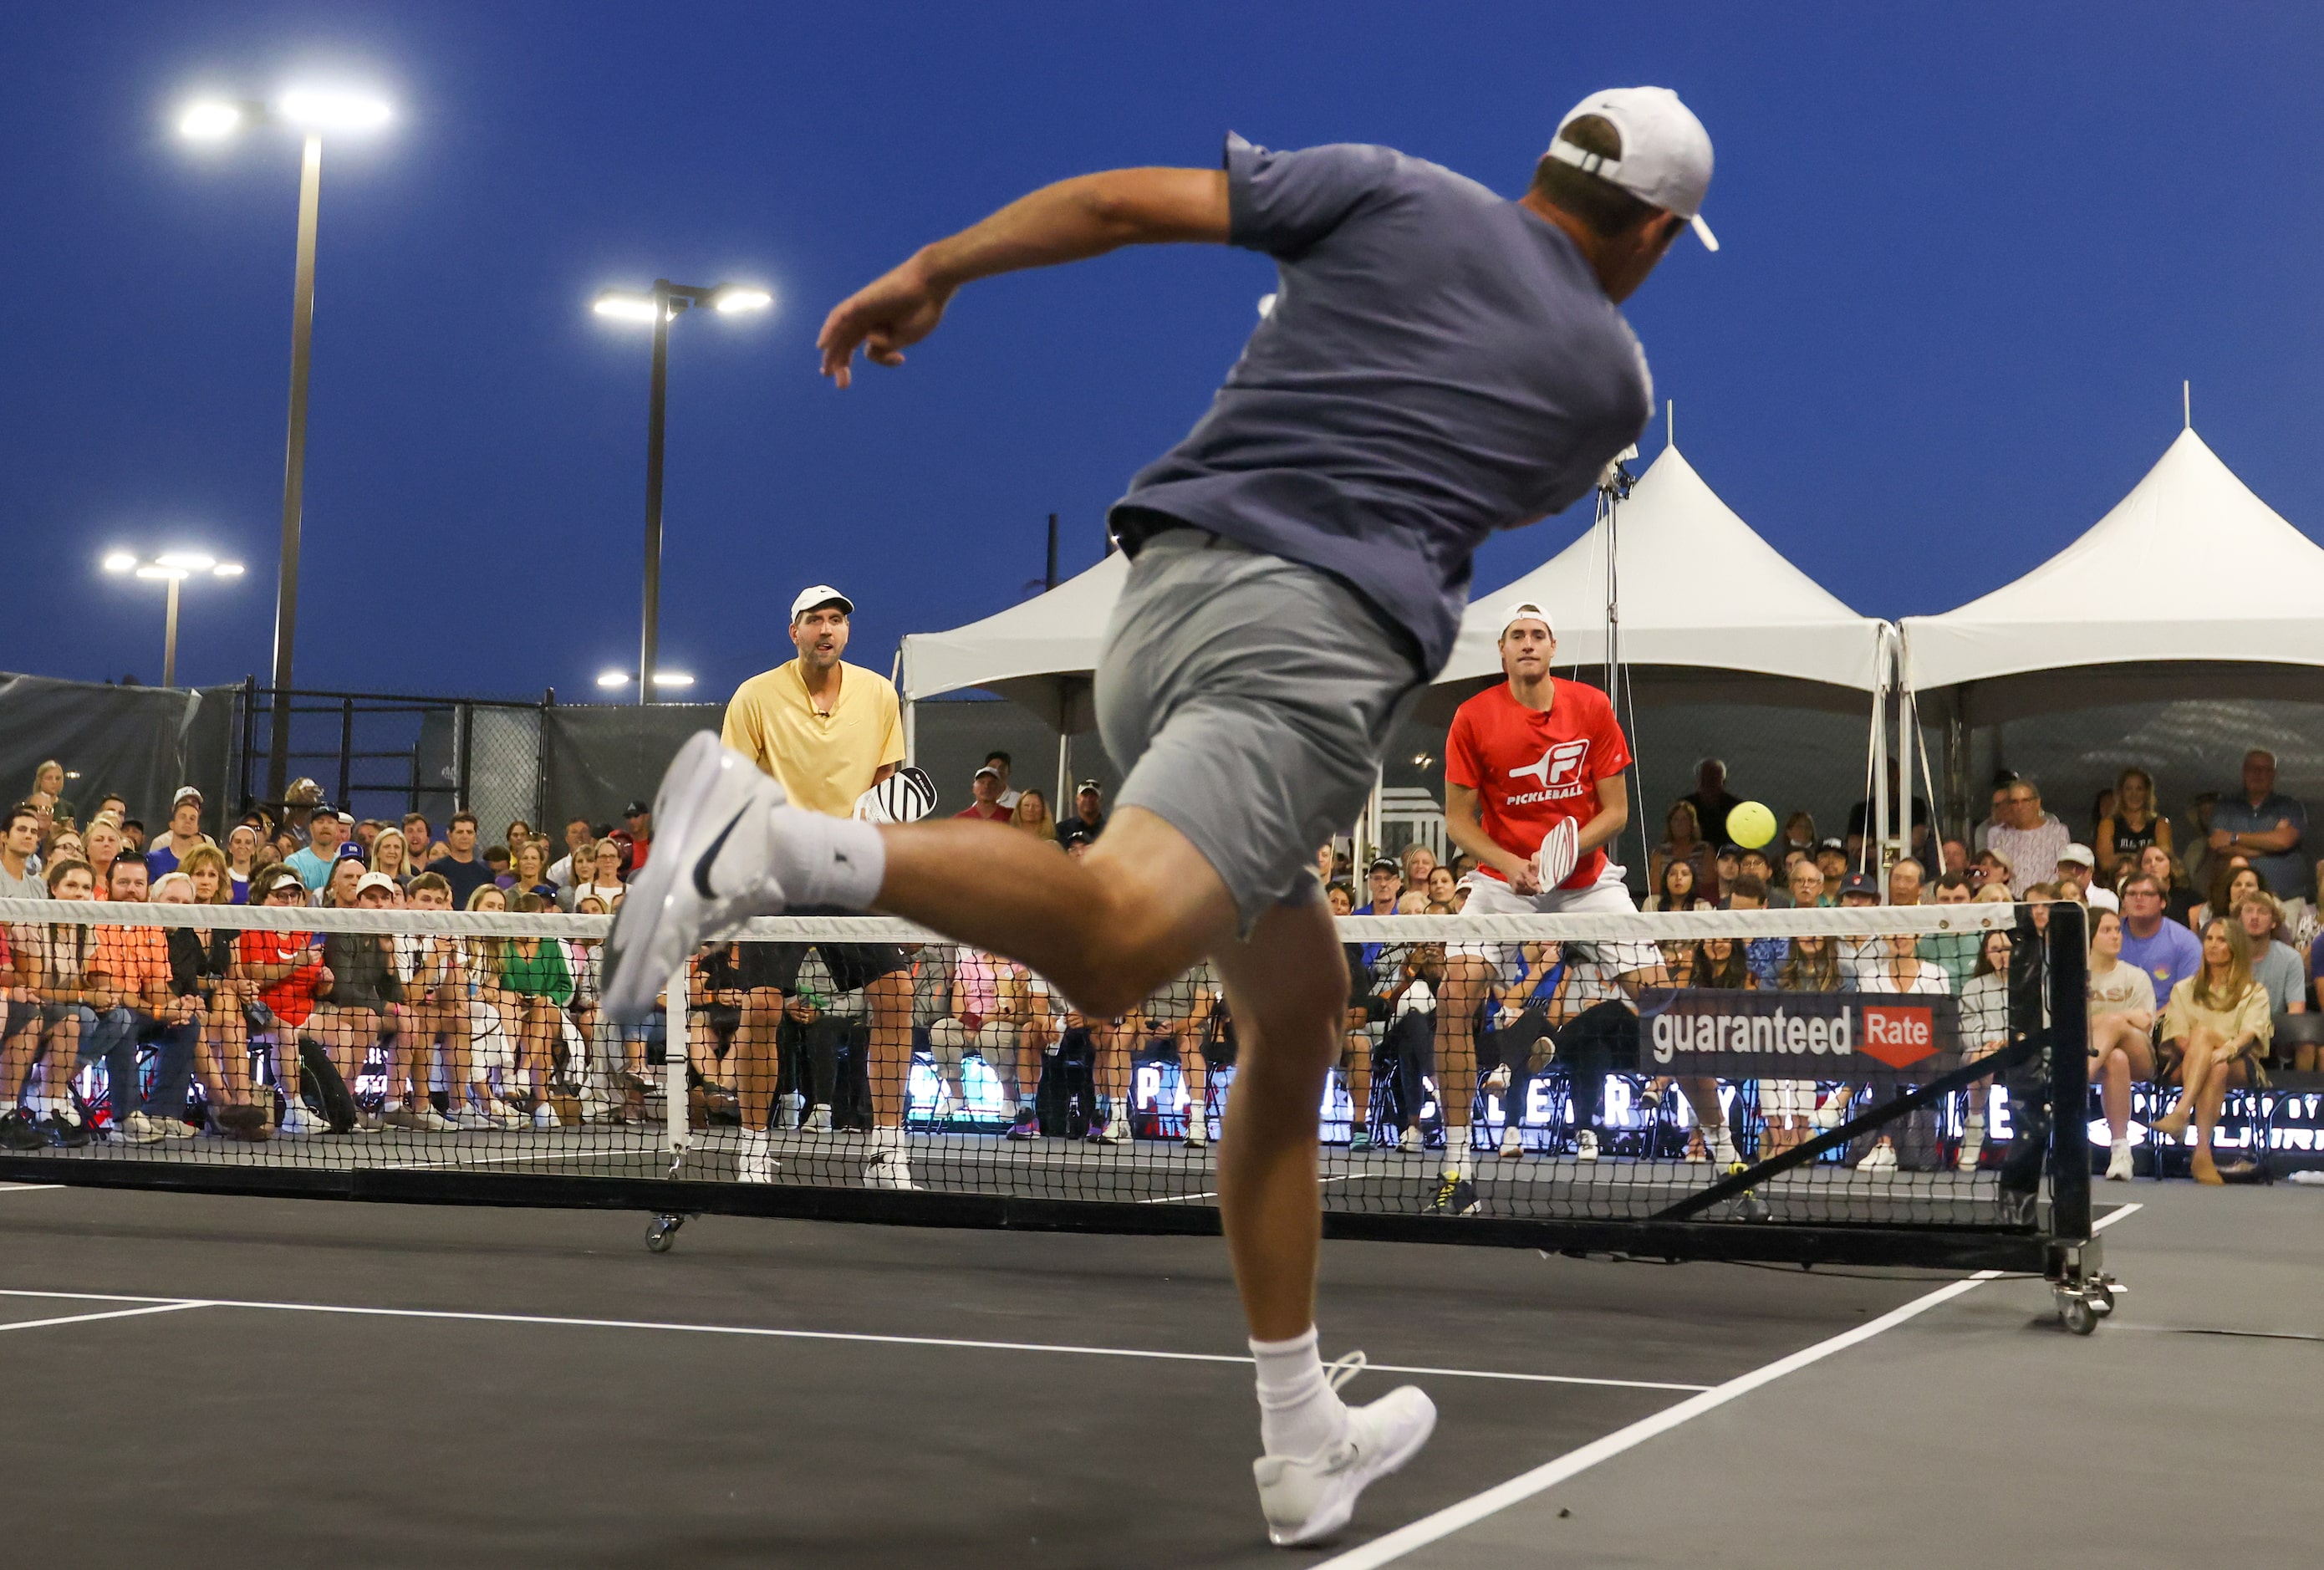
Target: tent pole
{"x": 1064, "y": 742}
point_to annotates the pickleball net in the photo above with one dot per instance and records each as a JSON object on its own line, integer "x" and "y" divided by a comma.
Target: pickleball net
{"x": 1867, "y": 1084}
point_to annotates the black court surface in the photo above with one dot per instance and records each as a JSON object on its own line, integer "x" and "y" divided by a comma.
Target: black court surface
{"x": 198, "y": 1381}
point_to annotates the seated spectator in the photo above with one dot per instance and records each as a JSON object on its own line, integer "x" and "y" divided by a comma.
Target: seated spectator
{"x": 243, "y": 845}
{"x": 573, "y": 867}
{"x": 1089, "y": 814}
{"x": 1763, "y": 956}
{"x": 1857, "y": 954}
{"x": 1906, "y": 880}
{"x": 984, "y": 1013}
{"x": 534, "y": 972}
{"x": 2079, "y": 867}
{"x": 2236, "y": 880}
{"x": 1711, "y": 801}
{"x": 1895, "y": 966}
{"x": 133, "y": 838}
{"x": 1996, "y": 816}
{"x": 287, "y": 970}
{"x": 1954, "y": 952}
{"x": 1786, "y": 1106}
{"x": 1799, "y": 835}
{"x": 146, "y": 1008}
{"x": 1832, "y": 861}
{"x": 201, "y": 976}
{"x": 365, "y": 997}
{"x": 185, "y": 834}
{"x": 529, "y": 874}
{"x": 2265, "y": 826}
{"x": 2216, "y": 1028}
{"x": 1992, "y": 867}
{"x": 391, "y": 857}
{"x": 1985, "y": 1030}
{"x": 20, "y": 855}
{"x": 2166, "y": 951}
{"x": 102, "y": 845}
{"x": 1414, "y": 903}
{"x": 2275, "y": 964}
{"x": 1031, "y": 813}
{"x": 1444, "y": 889}
{"x": 437, "y": 1014}
{"x": 495, "y": 1022}
{"x": 1727, "y": 867}
{"x": 324, "y": 834}
{"x": 1677, "y": 891}
{"x": 1417, "y": 861}
{"x": 418, "y": 839}
{"x": 2136, "y": 821}
{"x": 2031, "y": 839}
{"x": 985, "y": 792}
{"x": 1956, "y": 856}
{"x": 1807, "y": 886}
{"x": 2121, "y": 1022}
{"x": 1683, "y": 841}
{"x": 1859, "y": 817}
{"x": 2178, "y": 901}
{"x": 603, "y": 878}
{"x": 498, "y": 863}
{"x": 49, "y": 779}
{"x": 1753, "y": 863}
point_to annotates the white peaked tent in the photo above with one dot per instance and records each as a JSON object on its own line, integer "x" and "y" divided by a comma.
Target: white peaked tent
{"x": 2184, "y": 626}
{"x": 1698, "y": 588}
{"x": 2189, "y": 566}
{"x": 1040, "y": 653}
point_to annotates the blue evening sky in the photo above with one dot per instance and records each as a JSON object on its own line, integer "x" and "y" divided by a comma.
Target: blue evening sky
{"x": 1971, "y": 250}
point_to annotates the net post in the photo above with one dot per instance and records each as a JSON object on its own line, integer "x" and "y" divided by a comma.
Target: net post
{"x": 674, "y": 1051}
{"x": 2070, "y": 1113}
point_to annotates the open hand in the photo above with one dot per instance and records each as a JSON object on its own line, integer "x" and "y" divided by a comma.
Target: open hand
{"x": 881, "y": 319}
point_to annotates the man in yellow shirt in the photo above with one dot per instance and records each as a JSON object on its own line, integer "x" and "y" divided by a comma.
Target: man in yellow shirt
{"x": 827, "y": 732}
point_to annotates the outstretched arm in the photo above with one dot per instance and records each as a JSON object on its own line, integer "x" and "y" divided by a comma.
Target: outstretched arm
{"x": 1075, "y": 218}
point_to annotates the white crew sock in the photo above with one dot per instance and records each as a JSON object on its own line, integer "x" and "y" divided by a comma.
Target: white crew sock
{"x": 1457, "y": 1154}
{"x": 1299, "y": 1414}
{"x": 885, "y": 1139}
{"x": 827, "y": 860}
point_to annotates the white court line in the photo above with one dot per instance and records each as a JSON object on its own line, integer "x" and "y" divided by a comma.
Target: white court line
{"x": 28, "y": 1187}
{"x": 1213, "y": 1194}
{"x": 1430, "y": 1529}
{"x": 1464, "y": 1374}
{"x": 169, "y": 1308}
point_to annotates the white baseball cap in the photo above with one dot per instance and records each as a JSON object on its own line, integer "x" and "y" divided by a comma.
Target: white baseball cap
{"x": 1527, "y": 611}
{"x": 1666, "y": 151}
{"x": 2077, "y": 856}
{"x": 369, "y": 880}
{"x": 817, "y": 596}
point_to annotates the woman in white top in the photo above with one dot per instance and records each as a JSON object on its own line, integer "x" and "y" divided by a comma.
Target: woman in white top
{"x": 2122, "y": 1041}
{"x": 1985, "y": 1030}
{"x": 603, "y": 878}
{"x": 1899, "y": 968}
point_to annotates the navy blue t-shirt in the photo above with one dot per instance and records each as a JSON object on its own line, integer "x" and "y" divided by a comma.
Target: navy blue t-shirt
{"x": 1441, "y": 362}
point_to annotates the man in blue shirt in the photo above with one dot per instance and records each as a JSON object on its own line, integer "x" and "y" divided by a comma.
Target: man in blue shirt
{"x": 313, "y": 865}
{"x": 1442, "y": 363}
{"x": 2166, "y": 951}
{"x": 2263, "y": 827}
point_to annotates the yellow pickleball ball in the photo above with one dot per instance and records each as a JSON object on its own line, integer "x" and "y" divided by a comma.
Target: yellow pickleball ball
{"x": 1750, "y": 825}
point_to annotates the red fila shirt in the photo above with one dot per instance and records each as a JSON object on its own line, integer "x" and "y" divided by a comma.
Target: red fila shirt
{"x": 1531, "y": 769}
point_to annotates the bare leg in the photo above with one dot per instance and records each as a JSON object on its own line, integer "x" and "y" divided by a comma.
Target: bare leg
{"x": 1356, "y": 1063}
{"x": 1141, "y": 907}
{"x": 891, "y": 998}
{"x": 1193, "y": 1069}
{"x": 1466, "y": 979}
{"x": 1287, "y": 984}
{"x": 751, "y": 1058}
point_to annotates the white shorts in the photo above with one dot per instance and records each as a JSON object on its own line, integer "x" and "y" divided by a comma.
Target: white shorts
{"x": 1493, "y": 897}
{"x": 489, "y": 1047}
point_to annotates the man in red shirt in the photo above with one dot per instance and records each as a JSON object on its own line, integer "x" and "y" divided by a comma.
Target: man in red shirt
{"x": 1535, "y": 790}
{"x": 986, "y": 789}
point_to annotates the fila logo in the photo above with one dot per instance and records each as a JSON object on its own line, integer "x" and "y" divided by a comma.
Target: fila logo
{"x": 1560, "y": 765}
{"x": 1899, "y": 1036}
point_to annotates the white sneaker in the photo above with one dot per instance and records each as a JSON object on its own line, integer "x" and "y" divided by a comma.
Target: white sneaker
{"x": 713, "y": 805}
{"x": 1117, "y": 1131}
{"x": 818, "y": 1119}
{"x": 1722, "y": 1149}
{"x": 786, "y": 1113}
{"x": 1585, "y": 1145}
{"x": 1832, "y": 1111}
{"x": 1198, "y": 1125}
{"x": 1498, "y": 1081}
{"x": 172, "y": 1128}
{"x": 888, "y": 1170}
{"x": 1414, "y": 1140}
{"x": 2118, "y": 1168}
{"x": 473, "y": 1119}
{"x": 1512, "y": 1138}
{"x": 434, "y": 1122}
{"x": 301, "y": 1124}
{"x": 503, "y": 1116}
{"x": 1972, "y": 1145}
{"x": 755, "y": 1164}
{"x": 137, "y": 1129}
{"x": 544, "y": 1116}
{"x": 1304, "y": 1502}
{"x": 1880, "y": 1159}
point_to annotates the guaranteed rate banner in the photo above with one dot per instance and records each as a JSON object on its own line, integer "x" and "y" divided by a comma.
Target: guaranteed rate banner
{"x": 1740, "y": 1035}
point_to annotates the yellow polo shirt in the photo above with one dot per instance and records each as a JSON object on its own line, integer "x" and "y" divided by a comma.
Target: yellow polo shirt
{"x": 823, "y": 762}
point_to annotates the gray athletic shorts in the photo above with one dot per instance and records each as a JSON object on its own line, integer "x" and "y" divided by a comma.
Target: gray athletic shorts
{"x": 1253, "y": 699}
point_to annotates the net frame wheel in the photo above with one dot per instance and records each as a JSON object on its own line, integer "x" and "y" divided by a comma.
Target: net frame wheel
{"x": 662, "y": 1231}
{"x": 2101, "y": 1297}
{"x": 2077, "y": 1313}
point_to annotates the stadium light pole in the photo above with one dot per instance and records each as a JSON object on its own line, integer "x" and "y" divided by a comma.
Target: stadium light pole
{"x": 171, "y": 567}
{"x": 312, "y": 113}
{"x": 660, "y": 306}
